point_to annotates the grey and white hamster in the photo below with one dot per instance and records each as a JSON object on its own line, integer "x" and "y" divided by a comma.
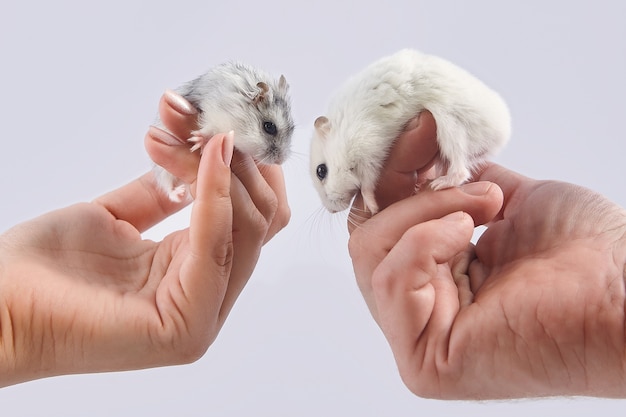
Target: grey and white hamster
{"x": 351, "y": 142}
{"x": 234, "y": 96}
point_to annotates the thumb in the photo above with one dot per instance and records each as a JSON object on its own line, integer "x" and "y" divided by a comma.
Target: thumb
{"x": 204, "y": 276}
{"x": 417, "y": 301}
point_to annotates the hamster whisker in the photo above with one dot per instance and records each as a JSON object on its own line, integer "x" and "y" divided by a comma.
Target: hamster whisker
{"x": 356, "y": 220}
{"x": 299, "y": 156}
{"x": 322, "y": 215}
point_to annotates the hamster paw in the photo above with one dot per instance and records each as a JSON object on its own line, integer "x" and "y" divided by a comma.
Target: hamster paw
{"x": 177, "y": 194}
{"x": 199, "y": 138}
{"x": 198, "y": 142}
{"x": 448, "y": 181}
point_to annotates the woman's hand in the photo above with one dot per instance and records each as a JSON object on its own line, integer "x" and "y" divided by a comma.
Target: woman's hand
{"x": 80, "y": 291}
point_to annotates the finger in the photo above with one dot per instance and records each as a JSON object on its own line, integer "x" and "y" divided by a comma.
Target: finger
{"x": 513, "y": 185}
{"x": 416, "y": 146}
{"x": 251, "y": 197}
{"x": 168, "y": 146}
{"x": 177, "y": 115}
{"x": 414, "y": 152}
{"x": 206, "y": 270}
{"x": 415, "y": 295}
{"x": 434, "y": 204}
{"x": 174, "y": 156}
{"x": 249, "y": 230}
{"x": 275, "y": 178}
{"x": 254, "y": 205}
{"x": 263, "y": 197}
{"x": 139, "y": 203}
{"x": 370, "y": 242}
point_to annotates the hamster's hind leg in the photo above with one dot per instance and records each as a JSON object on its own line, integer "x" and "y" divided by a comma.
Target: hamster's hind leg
{"x": 452, "y": 139}
{"x": 170, "y": 185}
{"x": 456, "y": 175}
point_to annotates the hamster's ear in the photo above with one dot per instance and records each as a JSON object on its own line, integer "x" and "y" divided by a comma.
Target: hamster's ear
{"x": 282, "y": 84}
{"x": 260, "y": 92}
{"x": 322, "y": 125}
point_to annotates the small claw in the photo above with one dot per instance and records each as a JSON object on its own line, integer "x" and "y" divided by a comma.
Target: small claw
{"x": 198, "y": 142}
{"x": 203, "y": 133}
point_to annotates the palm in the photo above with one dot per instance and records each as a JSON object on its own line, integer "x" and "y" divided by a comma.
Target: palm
{"x": 533, "y": 297}
{"x": 95, "y": 249}
{"x": 117, "y": 291}
{"x": 535, "y": 308}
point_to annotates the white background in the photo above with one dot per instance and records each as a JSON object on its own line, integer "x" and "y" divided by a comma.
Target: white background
{"x": 80, "y": 83}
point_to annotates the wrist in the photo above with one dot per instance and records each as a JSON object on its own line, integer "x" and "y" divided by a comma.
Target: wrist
{"x": 615, "y": 293}
{"x": 7, "y": 346}
{"x": 21, "y": 356}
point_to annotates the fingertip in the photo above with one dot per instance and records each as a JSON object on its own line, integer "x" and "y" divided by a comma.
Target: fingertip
{"x": 157, "y": 141}
{"x": 457, "y": 217}
{"x": 159, "y": 135}
{"x": 228, "y": 148}
{"x": 177, "y": 114}
{"x": 178, "y": 103}
{"x": 476, "y": 188}
{"x": 490, "y": 196}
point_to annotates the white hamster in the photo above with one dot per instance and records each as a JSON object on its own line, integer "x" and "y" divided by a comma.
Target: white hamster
{"x": 238, "y": 97}
{"x": 350, "y": 144}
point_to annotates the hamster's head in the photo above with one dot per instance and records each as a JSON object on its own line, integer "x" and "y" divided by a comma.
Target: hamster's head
{"x": 266, "y": 129}
{"x": 333, "y": 170}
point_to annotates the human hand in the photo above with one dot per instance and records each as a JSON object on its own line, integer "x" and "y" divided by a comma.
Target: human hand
{"x": 80, "y": 291}
{"x": 260, "y": 210}
{"x": 536, "y": 308}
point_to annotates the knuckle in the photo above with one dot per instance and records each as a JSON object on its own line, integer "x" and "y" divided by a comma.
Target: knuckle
{"x": 194, "y": 349}
{"x": 283, "y": 216}
{"x": 270, "y": 208}
{"x": 421, "y": 388}
{"x": 382, "y": 280}
{"x": 258, "y": 225}
{"x": 357, "y": 245}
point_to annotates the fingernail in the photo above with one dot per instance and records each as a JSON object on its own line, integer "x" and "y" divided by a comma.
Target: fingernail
{"x": 227, "y": 148}
{"x": 455, "y": 217}
{"x": 476, "y": 188}
{"x": 179, "y": 103}
{"x": 162, "y": 136}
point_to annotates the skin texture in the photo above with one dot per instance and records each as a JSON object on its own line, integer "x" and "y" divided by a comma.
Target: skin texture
{"x": 536, "y": 308}
{"x": 80, "y": 291}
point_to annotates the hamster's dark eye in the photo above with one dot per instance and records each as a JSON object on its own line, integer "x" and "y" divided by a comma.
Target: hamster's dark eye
{"x": 322, "y": 171}
{"x": 270, "y": 128}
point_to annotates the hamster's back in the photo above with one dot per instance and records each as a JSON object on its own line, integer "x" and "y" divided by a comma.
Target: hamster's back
{"x": 394, "y": 89}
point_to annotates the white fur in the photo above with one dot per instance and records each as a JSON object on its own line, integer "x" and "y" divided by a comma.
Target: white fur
{"x": 237, "y": 97}
{"x": 373, "y": 107}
